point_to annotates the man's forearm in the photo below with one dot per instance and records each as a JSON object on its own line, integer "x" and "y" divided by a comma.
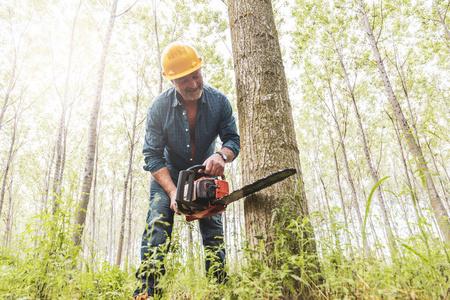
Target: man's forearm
{"x": 162, "y": 176}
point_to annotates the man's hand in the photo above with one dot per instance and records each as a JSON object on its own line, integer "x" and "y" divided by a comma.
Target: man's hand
{"x": 214, "y": 165}
{"x": 173, "y": 203}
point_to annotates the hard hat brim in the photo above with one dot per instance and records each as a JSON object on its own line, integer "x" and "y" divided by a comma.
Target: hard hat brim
{"x": 187, "y": 72}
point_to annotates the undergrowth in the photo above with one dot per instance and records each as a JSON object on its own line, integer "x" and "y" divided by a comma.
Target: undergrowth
{"x": 47, "y": 266}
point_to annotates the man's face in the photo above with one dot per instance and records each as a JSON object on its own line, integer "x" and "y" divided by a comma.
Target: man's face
{"x": 190, "y": 86}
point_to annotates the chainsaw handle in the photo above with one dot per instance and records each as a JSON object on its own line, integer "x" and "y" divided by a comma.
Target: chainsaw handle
{"x": 187, "y": 177}
{"x": 197, "y": 168}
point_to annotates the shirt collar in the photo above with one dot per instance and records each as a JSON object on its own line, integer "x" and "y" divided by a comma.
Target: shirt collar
{"x": 176, "y": 102}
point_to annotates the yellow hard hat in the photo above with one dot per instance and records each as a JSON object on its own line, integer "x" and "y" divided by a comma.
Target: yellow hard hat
{"x": 178, "y": 60}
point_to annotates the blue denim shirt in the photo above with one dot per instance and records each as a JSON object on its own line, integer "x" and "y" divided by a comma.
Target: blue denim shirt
{"x": 167, "y": 139}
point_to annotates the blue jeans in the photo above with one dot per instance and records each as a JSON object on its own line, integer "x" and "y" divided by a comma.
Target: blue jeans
{"x": 156, "y": 239}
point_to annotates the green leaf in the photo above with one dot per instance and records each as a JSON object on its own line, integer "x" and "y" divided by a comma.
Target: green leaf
{"x": 369, "y": 201}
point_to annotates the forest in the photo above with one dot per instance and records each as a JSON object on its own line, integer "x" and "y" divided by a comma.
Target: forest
{"x": 353, "y": 94}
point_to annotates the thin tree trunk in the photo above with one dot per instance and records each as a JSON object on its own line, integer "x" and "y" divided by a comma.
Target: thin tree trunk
{"x": 10, "y": 214}
{"x": 132, "y": 144}
{"x": 9, "y": 162}
{"x": 130, "y": 218}
{"x": 110, "y": 225}
{"x": 190, "y": 240}
{"x": 89, "y": 164}
{"x": 60, "y": 140}
{"x": 351, "y": 182}
{"x": 367, "y": 155}
{"x": 10, "y": 87}
{"x": 341, "y": 196}
{"x": 94, "y": 198}
{"x": 436, "y": 169}
{"x": 158, "y": 48}
{"x": 332, "y": 218}
{"x": 411, "y": 189}
{"x": 48, "y": 175}
{"x": 437, "y": 205}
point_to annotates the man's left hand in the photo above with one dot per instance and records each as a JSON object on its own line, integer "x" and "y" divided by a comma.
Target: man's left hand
{"x": 214, "y": 165}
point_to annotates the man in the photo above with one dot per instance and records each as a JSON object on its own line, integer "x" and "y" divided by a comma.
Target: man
{"x": 182, "y": 126}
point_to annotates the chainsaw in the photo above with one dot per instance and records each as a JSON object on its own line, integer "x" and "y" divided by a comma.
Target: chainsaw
{"x": 200, "y": 195}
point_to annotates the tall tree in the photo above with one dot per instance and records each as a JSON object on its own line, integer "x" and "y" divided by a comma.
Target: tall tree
{"x": 268, "y": 140}
{"x": 11, "y": 153}
{"x": 60, "y": 149}
{"x": 437, "y": 205}
{"x": 92, "y": 134}
{"x": 127, "y": 181}
{"x": 367, "y": 153}
{"x": 11, "y": 83}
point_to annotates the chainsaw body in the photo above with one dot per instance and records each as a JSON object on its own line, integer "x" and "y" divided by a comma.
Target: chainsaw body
{"x": 198, "y": 194}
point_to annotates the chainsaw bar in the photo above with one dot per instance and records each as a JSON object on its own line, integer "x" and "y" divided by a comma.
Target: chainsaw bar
{"x": 255, "y": 186}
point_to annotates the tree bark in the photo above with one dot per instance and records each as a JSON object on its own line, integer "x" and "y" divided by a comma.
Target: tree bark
{"x": 130, "y": 219}
{"x": 89, "y": 164}
{"x": 437, "y": 205}
{"x": 94, "y": 195}
{"x": 268, "y": 140}
{"x": 132, "y": 143}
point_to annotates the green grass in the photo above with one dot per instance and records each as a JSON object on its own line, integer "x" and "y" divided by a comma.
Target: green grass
{"x": 46, "y": 266}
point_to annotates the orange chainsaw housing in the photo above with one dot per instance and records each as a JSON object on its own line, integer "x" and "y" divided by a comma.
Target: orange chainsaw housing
{"x": 222, "y": 189}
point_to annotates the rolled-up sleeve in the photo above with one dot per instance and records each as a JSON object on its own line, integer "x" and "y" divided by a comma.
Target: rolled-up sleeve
{"x": 154, "y": 141}
{"x": 228, "y": 131}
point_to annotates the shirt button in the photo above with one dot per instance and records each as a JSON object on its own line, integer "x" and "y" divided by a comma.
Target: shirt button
{"x": 188, "y": 146}
{"x": 184, "y": 113}
{"x": 187, "y": 130}
{"x": 190, "y": 159}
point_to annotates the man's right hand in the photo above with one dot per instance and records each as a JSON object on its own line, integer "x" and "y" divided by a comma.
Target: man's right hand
{"x": 162, "y": 176}
{"x": 173, "y": 202}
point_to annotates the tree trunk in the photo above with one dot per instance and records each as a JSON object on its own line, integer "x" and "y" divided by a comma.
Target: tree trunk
{"x": 368, "y": 157}
{"x": 110, "y": 226}
{"x": 132, "y": 144}
{"x": 411, "y": 189}
{"x": 10, "y": 214}
{"x": 351, "y": 182}
{"x": 10, "y": 87}
{"x": 48, "y": 175}
{"x": 60, "y": 141}
{"x": 438, "y": 208}
{"x": 266, "y": 125}
{"x": 158, "y": 48}
{"x": 341, "y": 196}
{"x": 130, "y": 219}
{"x": 9, "y": 161}
{"x": 89, "y": 164}
{"x": 94, "y": 197}
{"x": 436, "y": 169}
